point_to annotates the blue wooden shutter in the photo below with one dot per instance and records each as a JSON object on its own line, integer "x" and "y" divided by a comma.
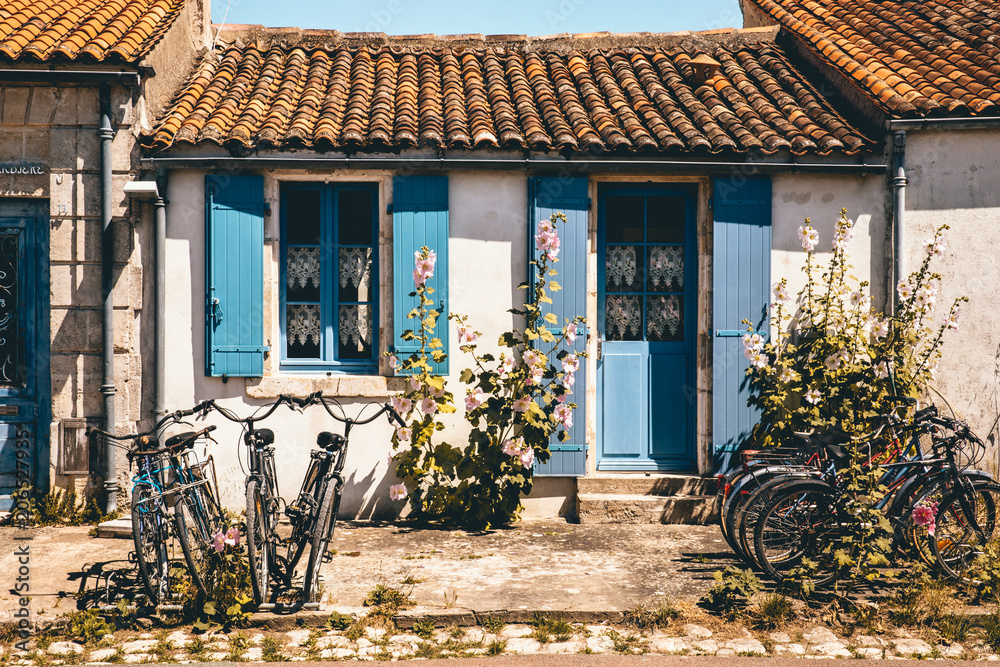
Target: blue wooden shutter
{"x": 419, "y": 218}
{"x": 234, "y": 280}
{"x": 568, "y": 195}
{"x": 742, "y": 276}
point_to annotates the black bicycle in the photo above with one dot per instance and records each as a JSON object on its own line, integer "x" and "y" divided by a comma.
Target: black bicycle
{"x": 314, "y": 513}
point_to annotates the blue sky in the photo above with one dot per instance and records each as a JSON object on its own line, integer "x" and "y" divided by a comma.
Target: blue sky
{"x": 444, "y": 17}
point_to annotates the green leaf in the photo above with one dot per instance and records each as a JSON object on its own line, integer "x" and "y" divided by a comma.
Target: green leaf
{"x": 554, "y": 286}
{"x": 551, "y": 318}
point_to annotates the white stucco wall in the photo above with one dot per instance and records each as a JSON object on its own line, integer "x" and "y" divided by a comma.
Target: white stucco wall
{"x": 820, "y": 198}
{"x": 953, "y": 180}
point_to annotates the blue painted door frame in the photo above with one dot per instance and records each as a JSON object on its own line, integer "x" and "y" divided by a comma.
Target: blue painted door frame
{"x": 646, "y": 369}
{"x": 25, "y": 380}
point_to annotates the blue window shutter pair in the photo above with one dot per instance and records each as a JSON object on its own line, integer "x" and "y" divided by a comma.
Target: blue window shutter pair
{"x": 569, "y": 196}
{"x": 741, "y": 290}
{"x": 419, "y": 218}
{"x": 234, "y": 278}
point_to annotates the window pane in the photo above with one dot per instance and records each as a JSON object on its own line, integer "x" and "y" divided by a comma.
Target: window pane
{"x": 666, "y": 268}
{"x": 302, "y": 217}
{"x": 355, "y": 273}
{"x": 355, "y": 216}
{"x": 624, "y": 268}
{"x": 355, "y": 332}
{"x": 623, "y": 317}
{"x": 665, "y": 318}
{"x": 303, "y": 331}
{"x": 665, "y": 219}
{"x": 302, "y": 273}
{"x": 623, "y": 219}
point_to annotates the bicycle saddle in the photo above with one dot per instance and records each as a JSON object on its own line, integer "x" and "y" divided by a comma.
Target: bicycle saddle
{"x": 182, "y": 441}
{"x": 264, "y": 436}
{"x": 331, "y": 442}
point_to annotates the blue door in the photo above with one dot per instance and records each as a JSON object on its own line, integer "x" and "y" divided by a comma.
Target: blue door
{"x": 647, "y": 303}
{"x": 24, "y": 378}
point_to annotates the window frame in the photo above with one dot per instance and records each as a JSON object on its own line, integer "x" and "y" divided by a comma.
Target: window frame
{"x": 329, "y": 272}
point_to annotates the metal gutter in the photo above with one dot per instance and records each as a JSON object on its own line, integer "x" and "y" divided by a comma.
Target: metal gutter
{"x": 975, "y": 123}
{"x": 107, "y": 134}
{"x": 899, "y": 182}
{"x": 70, "y": 76}
{"x": 160, "y": 222}
{"x": 527, "y": 163}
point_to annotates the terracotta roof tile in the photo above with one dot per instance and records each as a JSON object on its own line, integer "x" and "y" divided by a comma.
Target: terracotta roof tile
{"x": 933, "y": 57}
{"x": 94, "y": 30}
{"x": 625, "y": 99}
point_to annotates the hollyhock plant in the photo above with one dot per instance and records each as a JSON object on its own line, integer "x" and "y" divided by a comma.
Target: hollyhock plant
{"x": 516, "y": 400}
{"x": 397, "y": 492}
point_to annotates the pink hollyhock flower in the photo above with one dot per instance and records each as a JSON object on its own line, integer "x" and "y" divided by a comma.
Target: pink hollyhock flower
{"x": 428, "y": 406}
{"x": 467, "y": 336}
{"x": 401, "y": 404}
{"x": 570, "y": 364}
{"x": 522, "y": 404}
{"x": 414, "y": 383}
{"x": 233, "y": 537}
{"x": 568, "y": 381}
{"x": 474, "y": 399}
{"x": 925, "y": 515}
{"x": 403, "y": 434}
{"x": 219, "y": 541}
{"x": 548, "y": 242}
{"x": 571, "y": 332}
{"x": 527, "y": 457}
{"x": 506, "y": 365}
{"x": 564, "y": 415}
{"x": 530, "y": 357}
{"x": 809, "y": 238}
{"x": 393, "y": 362}
{"x": 397, "y": 492}
{"x": 536, "y": 376}
{"x": 562, "y": 398}
{"x": 545, "y": 226}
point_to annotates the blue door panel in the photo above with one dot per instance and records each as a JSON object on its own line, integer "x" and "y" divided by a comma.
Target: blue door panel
{"x": 626, "y": 394}
{"x": 742, "y": 275}
{"x": 669, "y": 425}
{"x": 25, "y": 378}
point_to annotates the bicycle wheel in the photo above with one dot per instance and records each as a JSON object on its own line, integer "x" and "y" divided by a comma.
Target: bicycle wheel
{"x": 150, "y": 535}
{"x": 963, "y": 527}
{"x": 326, "y": 519}
{"x": 798, "y": 523}
{"x": 260, "y": 549}
{"x": 300, "y": 514}
{"x": 196, "y": 515}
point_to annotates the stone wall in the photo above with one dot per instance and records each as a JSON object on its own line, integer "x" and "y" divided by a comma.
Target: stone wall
{"x": 57, "y": 127}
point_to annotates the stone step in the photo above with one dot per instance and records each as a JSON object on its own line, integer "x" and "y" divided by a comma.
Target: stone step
{"x": 120, "y": 528}
{"x": 642, "y": 508}
{"x": 648, "y": 485}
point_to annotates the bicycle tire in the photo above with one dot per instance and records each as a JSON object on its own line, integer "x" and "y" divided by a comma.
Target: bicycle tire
{"x": 325, "y": 522}
{"x": 196, "y": 515}
{"x": 956, "y": 544}
{"x": 790, "y": 529}
{"x": 260, "y": 549}
{"x": 149, "y": 535}
{"x": 748, "y": 513}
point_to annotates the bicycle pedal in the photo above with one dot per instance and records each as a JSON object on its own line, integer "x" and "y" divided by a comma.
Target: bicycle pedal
{"x": 328, "y": 557}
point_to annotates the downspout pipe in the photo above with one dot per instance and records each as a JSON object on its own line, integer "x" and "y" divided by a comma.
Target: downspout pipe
{"x": 106, "y": 133}
{"x": 899, "y": 182}
{"x": 160, "y": 223}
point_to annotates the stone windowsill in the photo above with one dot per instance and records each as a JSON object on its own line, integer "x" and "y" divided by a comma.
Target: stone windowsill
{"x": 343, "y": 386}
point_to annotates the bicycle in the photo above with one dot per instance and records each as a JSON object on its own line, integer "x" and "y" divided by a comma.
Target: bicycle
{"x": 263, "y": 498}
{"x": 153, "y": 488}
{"x": 314, "y": 513}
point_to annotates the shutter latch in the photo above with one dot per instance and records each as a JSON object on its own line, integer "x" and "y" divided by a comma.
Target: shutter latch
{"x": 216, "y": 312}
